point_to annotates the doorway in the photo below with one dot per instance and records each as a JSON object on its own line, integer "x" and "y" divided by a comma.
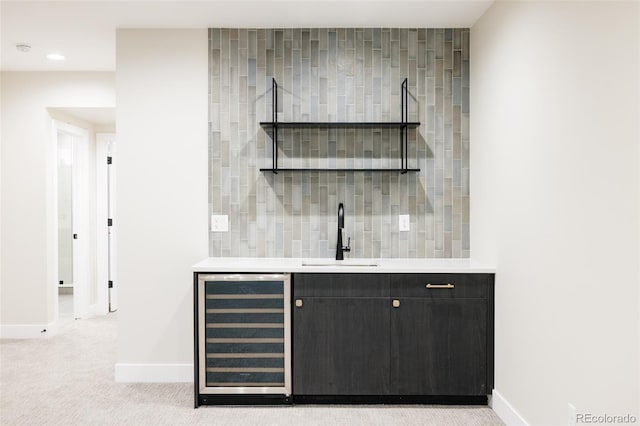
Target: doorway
{"x": 73, "y": 221}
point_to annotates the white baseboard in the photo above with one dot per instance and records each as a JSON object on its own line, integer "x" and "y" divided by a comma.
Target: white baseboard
{"x": 27, "y": 331}
{"x": 505, "y": 411}
{"x": 154, "y": 373}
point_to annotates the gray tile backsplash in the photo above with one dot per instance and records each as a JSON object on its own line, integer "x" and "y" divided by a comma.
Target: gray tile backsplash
{"x": 343, "y": 74}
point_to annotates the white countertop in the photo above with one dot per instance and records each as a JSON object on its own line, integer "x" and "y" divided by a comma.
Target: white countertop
{"x": 323, "y": 265}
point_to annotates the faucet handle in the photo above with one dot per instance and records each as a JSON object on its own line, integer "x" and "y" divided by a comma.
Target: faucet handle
{"x": 348, "y": 247}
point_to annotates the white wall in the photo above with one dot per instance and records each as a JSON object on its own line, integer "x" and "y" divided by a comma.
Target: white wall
{"x": 162, "y": 91}
{"x": 29, "y": 221}
{"x": 555, "y": 201}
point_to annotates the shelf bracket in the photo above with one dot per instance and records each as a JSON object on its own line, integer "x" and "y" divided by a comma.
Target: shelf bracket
{"x": 404, "y": 111}
{"x": 274, "y": 129}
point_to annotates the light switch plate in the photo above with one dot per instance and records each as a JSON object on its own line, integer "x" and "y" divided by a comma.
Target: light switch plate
{"x": 219, "y": 223}
{"x": 405, "y": 223}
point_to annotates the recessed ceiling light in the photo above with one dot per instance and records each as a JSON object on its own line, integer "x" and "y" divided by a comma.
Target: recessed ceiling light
{"x": 55, "y": 57}
{"x": 23, "y": 47}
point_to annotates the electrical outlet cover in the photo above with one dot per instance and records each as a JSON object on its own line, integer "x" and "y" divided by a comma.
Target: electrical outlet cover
{"x": 219, "y": 223}
{"x": 404, "y": 223}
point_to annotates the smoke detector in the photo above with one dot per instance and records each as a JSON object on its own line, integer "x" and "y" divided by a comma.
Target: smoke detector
{"x": 23, "y": 47}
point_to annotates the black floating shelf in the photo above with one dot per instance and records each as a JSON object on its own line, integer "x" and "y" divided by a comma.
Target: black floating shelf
{"x": 339, "y": 170}
{"x": 339, "y": 125}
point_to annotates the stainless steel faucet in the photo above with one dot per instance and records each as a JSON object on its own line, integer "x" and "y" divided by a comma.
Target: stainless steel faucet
{"x": 339, "y": 248}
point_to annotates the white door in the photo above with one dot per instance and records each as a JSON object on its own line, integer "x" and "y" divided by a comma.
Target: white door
{"x": 65, "y": 224}
{"x": 111, "y": 203}
{"x": 73, "y": 214}
{"x": 107, "y": 223}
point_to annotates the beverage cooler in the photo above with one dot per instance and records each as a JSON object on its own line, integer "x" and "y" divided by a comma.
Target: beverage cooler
{"x": 242, "y": 336}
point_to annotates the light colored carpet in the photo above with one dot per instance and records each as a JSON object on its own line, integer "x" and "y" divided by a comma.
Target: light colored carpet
{"x": 68, "y": 380}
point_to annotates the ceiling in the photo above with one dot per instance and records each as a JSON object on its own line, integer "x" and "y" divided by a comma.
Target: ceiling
{"x": 84, "y": 31}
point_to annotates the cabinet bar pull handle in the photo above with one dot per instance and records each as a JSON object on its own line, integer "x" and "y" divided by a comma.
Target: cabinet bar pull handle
{"x": 298, "y": 303}
{"x": 395, "y": 303}
{"x": 448, "y": 285}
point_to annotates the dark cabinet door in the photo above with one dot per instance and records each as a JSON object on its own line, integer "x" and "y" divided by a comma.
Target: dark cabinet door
{"x": 439, "y": 347}
{"x": 341, "y": 346}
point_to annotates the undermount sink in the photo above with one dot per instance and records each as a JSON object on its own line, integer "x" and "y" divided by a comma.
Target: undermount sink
{"x": 347, "y": 262}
